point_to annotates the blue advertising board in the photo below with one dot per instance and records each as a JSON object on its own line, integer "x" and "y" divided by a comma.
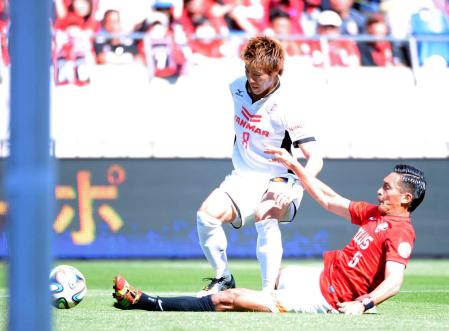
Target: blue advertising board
{"x": 142, "y": 208}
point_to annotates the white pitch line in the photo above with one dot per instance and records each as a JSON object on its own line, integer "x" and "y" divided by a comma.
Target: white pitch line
{"x": 426, "y": 291}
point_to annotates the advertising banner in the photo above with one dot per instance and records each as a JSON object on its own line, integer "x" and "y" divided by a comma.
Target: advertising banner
{"x": 121, "y": 208}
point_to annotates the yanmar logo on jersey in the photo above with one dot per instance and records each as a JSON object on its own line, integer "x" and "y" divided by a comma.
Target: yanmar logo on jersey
{"x": 245, "y": 122}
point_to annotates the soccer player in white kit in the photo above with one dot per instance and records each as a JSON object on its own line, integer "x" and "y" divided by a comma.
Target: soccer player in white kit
{"x": 257, "y": 189}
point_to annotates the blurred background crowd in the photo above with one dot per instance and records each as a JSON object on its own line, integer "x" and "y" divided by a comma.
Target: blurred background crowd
{"x": 167, "y": 36}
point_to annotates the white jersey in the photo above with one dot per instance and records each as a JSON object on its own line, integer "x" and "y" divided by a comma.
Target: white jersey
{"x": 270, "y": 121}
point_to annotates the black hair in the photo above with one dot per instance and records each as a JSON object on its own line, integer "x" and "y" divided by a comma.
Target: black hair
{"x": 412, "y": 180}
{"x": 109, "y": 12}
{"x": 276, "y": 13}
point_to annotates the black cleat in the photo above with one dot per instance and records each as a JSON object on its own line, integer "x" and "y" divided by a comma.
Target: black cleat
{"x": 216, "y": 285}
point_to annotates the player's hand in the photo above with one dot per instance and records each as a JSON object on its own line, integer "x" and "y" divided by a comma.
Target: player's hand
{"x": 351, "y": 307}
{"x": 283, "y": 200}
{"x": 280, "y": 155}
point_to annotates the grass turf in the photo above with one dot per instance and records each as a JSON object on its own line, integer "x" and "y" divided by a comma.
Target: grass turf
{"x": 422, "y": 304}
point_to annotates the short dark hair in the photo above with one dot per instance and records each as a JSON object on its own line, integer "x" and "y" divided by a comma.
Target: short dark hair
{"x": 109, "y": 12}
{"x": 276, "y": 13}
{"x": 413, "y": 181}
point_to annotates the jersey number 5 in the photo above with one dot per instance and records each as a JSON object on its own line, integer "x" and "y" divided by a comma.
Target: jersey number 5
{"x": 355, "y": 259}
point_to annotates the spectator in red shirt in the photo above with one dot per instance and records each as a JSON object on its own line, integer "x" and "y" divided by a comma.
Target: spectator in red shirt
{"x": 84, "y": 9}
{"x": 281, "y": 28}
{"x": 206, "y": 40}
{"x": 380, "y": 53}
{"x": 198, "y": 10}
{"x": 164, "y": 56}
{"x": 367, "y": 271}
{"x": 293, "y": 8}
{"x": 75, "y": 26}
{"x": 4, "y": 26}
{"x": 244, "y": 16}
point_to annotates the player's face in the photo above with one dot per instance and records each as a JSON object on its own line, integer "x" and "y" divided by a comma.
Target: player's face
{"x": 392, "y": 198}
{"x": 260, "y": 83}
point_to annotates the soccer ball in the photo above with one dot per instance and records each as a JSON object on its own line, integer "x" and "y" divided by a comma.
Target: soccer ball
{"x": 67, "y": 286}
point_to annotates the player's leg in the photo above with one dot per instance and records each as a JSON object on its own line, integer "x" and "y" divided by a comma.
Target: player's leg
{"x": 298, "y": 290}
{"x": 269, "y": 242}
{"x": 241, "y": 299}
{"x": 279, "y": 203}
{"x": 215, "y": 210}
{"x": 128, "y": 297}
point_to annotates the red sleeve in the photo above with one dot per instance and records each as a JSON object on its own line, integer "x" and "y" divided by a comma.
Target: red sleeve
{"x": 399, "y": 244}
{"x": 361, "y": 211}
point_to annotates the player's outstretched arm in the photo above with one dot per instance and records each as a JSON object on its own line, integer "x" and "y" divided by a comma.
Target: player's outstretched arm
{"x": 319, "y": 191}
{"x": 394, "y": 276}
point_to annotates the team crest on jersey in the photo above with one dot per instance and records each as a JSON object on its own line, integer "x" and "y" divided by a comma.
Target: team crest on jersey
{"x": 404, "y": 249}
{"x": 381, "y": 227}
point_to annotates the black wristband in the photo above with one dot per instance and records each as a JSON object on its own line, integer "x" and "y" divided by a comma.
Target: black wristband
{"x": 367, "y": 303}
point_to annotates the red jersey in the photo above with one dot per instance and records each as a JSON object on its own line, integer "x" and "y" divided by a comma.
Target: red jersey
{"x": 382, "y": 54}
{"x": 359, "y": 267}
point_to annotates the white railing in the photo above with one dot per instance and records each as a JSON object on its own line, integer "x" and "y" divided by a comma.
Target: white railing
{"x": 364, "y": 112}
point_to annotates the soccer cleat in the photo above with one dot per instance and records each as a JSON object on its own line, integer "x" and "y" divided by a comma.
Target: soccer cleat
{"x": 125, "y": 294}
{"x": 216, "y": 285}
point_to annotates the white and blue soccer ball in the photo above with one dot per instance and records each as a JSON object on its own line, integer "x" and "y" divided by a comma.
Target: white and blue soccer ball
{"x": 67, "y": 286}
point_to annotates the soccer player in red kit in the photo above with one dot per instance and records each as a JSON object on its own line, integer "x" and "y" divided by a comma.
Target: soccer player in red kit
{"x": 367, "y": 271}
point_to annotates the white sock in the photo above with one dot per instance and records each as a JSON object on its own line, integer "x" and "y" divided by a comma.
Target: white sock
{"x": 269, "y": 251}
{"x": 213, "y": 242}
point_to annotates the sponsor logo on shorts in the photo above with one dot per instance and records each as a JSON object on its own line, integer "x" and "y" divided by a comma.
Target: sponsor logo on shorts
{"x": 279, "y": 180}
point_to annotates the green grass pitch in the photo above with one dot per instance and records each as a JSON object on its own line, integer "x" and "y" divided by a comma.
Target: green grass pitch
{"x": 423, "y": 303}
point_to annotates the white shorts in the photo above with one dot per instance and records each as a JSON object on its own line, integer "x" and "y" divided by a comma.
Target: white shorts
{"x": 246, "y": 192}
{"x": 299, "y": 291}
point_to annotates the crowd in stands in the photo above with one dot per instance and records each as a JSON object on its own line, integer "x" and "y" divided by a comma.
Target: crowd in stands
{"x": 168, "y": 35}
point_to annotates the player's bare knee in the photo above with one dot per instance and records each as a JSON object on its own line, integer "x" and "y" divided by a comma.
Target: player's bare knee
{"x": 225, "y": 300}
{"x": 272, "y": 213}
{"x": 230, "y": 297}
{"x": 217, "y": 205}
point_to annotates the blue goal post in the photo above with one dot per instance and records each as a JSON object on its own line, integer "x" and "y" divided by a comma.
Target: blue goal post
{"x": 29, "y": 181}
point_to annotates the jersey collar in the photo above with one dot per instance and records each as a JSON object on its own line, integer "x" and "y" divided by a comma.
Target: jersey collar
{"x": 397, "y": 218}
